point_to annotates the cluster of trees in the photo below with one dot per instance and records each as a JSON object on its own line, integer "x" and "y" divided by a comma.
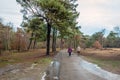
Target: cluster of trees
{"x": 113, "y": 39}
{"x": 46, "y": 19}
{"x": 51, "y": 21}
{"x": 12, "y": 40}
{"x": 98, "y": 39}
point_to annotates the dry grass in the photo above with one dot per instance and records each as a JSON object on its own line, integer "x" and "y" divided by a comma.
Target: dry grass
{"x": 110, "y": 53}
{"x": 108, "y": 59}
{"x": 22, "y": 57}
{"x": 29, "y": 63}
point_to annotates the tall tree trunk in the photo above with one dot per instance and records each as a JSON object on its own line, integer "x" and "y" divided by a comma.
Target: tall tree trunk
{"x": 54, "y": 40}
{"x": 102, "y": 43}
{"x": 48, "y": 38}
{"x": 75, "y": 43}
{"x": 35, "y": 42}
{"x": 30, "y": 41}
{"x": 61, "y": 44}
{"x": 0, "y": 51}
{"x": 18, "y": 43}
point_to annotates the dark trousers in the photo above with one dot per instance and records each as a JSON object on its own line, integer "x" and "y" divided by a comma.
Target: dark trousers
{"x": 69, "y": 53}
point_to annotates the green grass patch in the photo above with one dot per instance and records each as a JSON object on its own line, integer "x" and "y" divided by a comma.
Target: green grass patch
{"x": 46, "y": 60}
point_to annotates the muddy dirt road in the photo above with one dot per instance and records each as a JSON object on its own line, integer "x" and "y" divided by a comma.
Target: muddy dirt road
{"x": 20, "y": 71}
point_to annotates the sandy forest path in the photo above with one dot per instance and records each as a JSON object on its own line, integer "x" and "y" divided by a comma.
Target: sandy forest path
{"x": 72, "y": 70}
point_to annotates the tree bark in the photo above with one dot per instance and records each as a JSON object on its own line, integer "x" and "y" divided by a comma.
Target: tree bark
{"x": 30, "y": 41}
{"x": 0, "y": 48}
{"x": 48, "y": 39}
{"x": 34, "y": 43}
{"x": 54, "y": 40}
{"x": 61, "y": 46}
{"x": 18, "y": 42}
{"x": 0, "y": 52}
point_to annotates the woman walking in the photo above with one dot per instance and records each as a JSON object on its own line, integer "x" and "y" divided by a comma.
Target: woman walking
{"x": 69, "y": 51}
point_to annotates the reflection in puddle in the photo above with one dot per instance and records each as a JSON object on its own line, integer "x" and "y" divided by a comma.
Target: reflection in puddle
{"x": 52, "y": 72}
{"x": 43, "y": 77}
{"x": 98, "y": 71}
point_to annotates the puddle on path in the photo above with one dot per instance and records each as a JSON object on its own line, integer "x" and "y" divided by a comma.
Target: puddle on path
{"x": 93, "y": 68}
{"x": 43, "y": 77}
{"x": 52, "y": 72}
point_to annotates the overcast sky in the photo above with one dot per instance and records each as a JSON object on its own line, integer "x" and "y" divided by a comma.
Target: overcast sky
{"x": 10, "y": 12}
{"x": 94, "y": 14}
{"x": 98, "y": 14}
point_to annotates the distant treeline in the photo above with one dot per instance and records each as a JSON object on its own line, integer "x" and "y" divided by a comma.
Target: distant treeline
{"x": 110, "y": 41}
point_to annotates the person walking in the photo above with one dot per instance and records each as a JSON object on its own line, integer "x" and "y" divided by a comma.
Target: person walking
{"x": 69, "y": 51}
{"x": 78, "y": 50}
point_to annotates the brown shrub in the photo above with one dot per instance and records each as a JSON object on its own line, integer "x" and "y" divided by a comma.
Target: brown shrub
{"x": 97, "y": 45}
